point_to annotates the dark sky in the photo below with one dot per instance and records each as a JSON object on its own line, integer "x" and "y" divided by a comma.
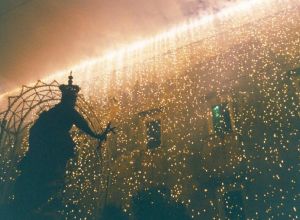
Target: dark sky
{"x": 38, "y": 37}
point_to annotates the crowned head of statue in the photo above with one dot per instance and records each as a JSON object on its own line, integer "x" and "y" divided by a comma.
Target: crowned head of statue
{"x": 69, "y": 92}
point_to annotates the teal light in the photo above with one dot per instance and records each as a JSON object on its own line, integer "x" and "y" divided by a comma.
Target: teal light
{"x": 216, "y": 111}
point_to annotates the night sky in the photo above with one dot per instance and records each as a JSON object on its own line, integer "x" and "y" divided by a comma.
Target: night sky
{"x": 38, "y": 37}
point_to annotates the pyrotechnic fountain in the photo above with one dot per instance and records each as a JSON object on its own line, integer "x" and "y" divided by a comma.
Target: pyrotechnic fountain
{"x": 242, "y": 56}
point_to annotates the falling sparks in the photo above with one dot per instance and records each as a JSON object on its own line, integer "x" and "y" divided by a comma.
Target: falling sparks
{"x": 243, "y": 57}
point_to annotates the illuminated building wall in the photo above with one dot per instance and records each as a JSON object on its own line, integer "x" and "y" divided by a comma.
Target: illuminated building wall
{"x": 229, "y": 123}
{"x": 239, "y": 134}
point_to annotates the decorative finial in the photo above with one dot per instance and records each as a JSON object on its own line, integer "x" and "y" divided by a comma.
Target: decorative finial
{"x": 70, "y": 82}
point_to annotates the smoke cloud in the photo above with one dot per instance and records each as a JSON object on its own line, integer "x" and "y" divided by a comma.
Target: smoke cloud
{"x": 38, "y": 37}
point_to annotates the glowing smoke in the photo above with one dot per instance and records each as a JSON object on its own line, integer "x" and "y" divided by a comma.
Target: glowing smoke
{"x": 34, "y": 35}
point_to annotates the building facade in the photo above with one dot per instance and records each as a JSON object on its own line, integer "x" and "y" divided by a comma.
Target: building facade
{"x": 222, "y": 134}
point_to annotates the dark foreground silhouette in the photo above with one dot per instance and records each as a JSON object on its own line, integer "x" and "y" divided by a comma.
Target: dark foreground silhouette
{"x": 154, "y": 203}
{"x": 50, "y": 147}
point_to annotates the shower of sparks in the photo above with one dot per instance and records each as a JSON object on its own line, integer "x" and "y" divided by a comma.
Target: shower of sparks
{"x": 242, "y": 56}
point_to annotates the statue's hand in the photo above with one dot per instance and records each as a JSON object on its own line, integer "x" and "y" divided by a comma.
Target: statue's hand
{"x": 109, "y": 129}
{"x": 103, "y": 136}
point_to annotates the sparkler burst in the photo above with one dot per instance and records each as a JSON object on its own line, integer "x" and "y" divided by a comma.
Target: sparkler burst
{"x": 237, "y": 61}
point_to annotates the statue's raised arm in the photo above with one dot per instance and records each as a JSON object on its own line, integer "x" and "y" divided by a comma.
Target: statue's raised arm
{"x": 69, "y": 97}
{"x": 83, "y": 125}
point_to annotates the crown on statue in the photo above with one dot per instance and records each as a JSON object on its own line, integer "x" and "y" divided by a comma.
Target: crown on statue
{"x": 70, "y": 89}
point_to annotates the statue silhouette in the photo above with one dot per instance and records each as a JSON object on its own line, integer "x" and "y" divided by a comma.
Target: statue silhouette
{"x": 50, "y": 147}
